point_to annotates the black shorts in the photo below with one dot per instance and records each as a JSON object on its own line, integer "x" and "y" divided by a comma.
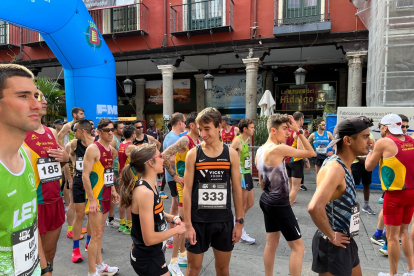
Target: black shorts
{"x": 216, "y": 234}
{"x": 295, "y": 169}
{"x": 319, "y": 162}
{"x": 281, "y": 218}
{"x": 78, "y": 191}
{"x": 360, "y": 173}
{"x": 148, "y": 263}
{"x": 247, "y": 181}
{"x": 173, "y": 188}
{"x": 336, "y": 260}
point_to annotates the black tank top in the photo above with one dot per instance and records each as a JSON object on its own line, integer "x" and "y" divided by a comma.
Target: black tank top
{"x": 140, "y": 142}
{"x": 160, "y": 224}
{"x": 211, "y": 194}
{"x": 80, "y": 153}
{"x": 153, "y": 133}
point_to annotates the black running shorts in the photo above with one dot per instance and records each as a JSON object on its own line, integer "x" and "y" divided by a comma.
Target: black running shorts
{"x": 78, "y": 191}
{"x": 360, "y": 173}
{"x": 319, "y": 162}
{"x": 295, "y": 169}
{"x": 281, "y": 218}
{"x": 247, "y": 181}
{"x": 173, "y": 188}
{"x": 336, "y": 260}
{"x": 148, "y": 262}
{"x": 216, "y": 234}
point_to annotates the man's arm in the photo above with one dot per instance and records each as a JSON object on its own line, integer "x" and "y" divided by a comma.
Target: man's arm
{"x": 60, "y": 153}
{"x": 181, "y": 143}
{"x": 375, "y": 156}
{"x": 113, "y": 143}
{"x": 236, "y": 144}
{"x": 330, "y": 136}
{"x": 92, "y": 153}
{"x": 236, "y": 131}
{"x": 152, "y": 140}
{"x": 129, "y": 149}
{"x": 311, "y": 137}
{"x": 114, "y": 152}
{"x": 187, "y": 194}
{"x": 65, "y": 130}
{"x": 237, "y": 193}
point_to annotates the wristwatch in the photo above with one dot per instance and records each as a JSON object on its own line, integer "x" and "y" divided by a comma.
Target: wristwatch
{"x": 240, "y": 220}
{"x": 47, "y": 269}
{"x": 299, "y": 132}
{"x": 176, "y": 217}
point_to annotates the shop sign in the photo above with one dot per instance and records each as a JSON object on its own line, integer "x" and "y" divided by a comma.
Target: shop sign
{"x": 181, "y": 92}
{"x": 100, "y": 4}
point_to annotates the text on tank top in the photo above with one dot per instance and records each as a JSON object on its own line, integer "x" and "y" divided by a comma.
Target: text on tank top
{"x": 47, "y": 171}
{"x": 124, "y": 160}
{"x": 320, "y": 144}
{"x": 160, "y": 224}
{"x": 244, "y": 157}
{"x": 79, "y": 155}
{"x": 397, "y": 172}
{"x": 180, "y": 157}
{"x": 102, "y": 174}
{"x": 211, "y": 193}
{"x": 153, "y": 133}
{"x": 227, "y": 137}
{"x": 18, "y": 227}
{"x": 140, "y": 142}
{"x": 275, "y": 180}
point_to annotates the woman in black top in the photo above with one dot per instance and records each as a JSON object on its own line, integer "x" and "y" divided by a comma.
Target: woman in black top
{"x": 149, "y": 222}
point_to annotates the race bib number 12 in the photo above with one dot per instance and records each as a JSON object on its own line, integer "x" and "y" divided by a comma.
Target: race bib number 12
{"x": 109, "y": 177}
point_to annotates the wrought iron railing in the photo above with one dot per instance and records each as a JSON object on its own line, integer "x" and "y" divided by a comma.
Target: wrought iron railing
{"x": 9, "y": 34}
{"x": 201, "y": 14}
{"x": 121, "y": 19}
{"x": 292, "y": 12}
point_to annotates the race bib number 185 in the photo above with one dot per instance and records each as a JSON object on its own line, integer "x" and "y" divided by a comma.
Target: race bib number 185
{"x": 49, "y": 169}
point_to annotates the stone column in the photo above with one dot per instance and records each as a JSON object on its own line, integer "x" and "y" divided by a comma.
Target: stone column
{"x": 355, "y": 62}
{"x": 167, "y": 88}
{"x": 267, "y": 77}
{"x": 252, "y": 66}
{"x": 200, "y": 92}
{"x": 140, "y": 98}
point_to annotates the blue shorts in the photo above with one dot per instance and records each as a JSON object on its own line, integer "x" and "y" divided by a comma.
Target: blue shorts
{"x": 246, "y": 181}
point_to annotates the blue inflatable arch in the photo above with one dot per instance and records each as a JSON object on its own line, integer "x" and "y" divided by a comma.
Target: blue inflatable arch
{"x": 74, "y": 39}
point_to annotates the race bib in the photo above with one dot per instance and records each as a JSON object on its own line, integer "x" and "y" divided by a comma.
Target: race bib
{"x": 79, "y": 163}
{"x": 355, "y": 219}
{"x": 161, "y": 228}
{"x": 49, "y": 169}
{"x": 212, "y": 196}
{"x": 247, "y": 163}
{"x": 109, "y": 177}
{"x": 25, "y": 250}
{"x": 321, "y": 149}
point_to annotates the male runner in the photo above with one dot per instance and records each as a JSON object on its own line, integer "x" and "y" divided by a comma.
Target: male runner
{"x": 321, "y": 139}
{"x": 93, "y": 128}
{"x": 115, "y": 144}
{"x": 19, "y": 112}
{"x": 334, "y": 208}
{"x": 153, "y": 131}
{"x": 228, "y": 132}
{"x": 125, "y": 149}
{"x": 394, "y": 153}
{"x": 274, "y": 202}
{"x": 98, "y": 180}
{"x": 58, "y": 124}
{"x": 207, "y": 197}
{"x": 179, "y": 150}
{"x": 46, "y": 157}
{"x": 83, "y": 139}
{"x": 66, "y": 133}
{"x": 246, "y": 128}
{"x": 141, "y": 137}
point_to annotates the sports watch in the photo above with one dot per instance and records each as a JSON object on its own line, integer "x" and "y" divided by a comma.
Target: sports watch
{"x": 47, "y": 269}
{"x": 240, "y": 220}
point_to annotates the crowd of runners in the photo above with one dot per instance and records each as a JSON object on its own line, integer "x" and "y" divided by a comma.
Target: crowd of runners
{"x": 207, "y": 166}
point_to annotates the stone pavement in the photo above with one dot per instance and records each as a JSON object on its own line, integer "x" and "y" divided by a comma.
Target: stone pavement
{"x": 246, "y": 259}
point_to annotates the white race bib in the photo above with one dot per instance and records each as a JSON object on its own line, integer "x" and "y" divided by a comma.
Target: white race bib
{"x": 212, "y": 196}
{"x": 49, "y": 169}
{"x": 247, "y": 163}
{"x": 79, "y": 163}
{"x": 355, "y": 219}
{"x": 25, "y": 250}
{"x": 321, "y": 149}
{"x": 109, "y": 177}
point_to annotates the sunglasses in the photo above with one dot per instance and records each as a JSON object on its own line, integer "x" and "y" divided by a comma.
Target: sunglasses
{"x": 107, "y": 129}
{"x": 155, "y": 157}
{"x": 138, "y": 127}
{"x": 41, "y": 97}
{"x": 379, "y": 125}
{"x": 405, "y": 126}
{"x": 322, "y": 124}
{"x": 76, "y": 129}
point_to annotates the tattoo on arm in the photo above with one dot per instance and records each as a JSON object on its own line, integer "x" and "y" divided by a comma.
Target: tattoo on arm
{"x": 172, "y": 150}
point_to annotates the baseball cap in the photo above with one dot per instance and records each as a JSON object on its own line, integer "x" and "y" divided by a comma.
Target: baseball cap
{"x": 348, "y": 127}
{"x": 226, "y": 119}
{"x": 58, "y": 122}
{"x": 393, "y": 122}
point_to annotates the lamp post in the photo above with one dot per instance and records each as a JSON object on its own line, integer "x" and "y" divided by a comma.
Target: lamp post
{"x": 208, "y": 78}
{"x": 128, "y": 83}
{"x": 300, "y": 75}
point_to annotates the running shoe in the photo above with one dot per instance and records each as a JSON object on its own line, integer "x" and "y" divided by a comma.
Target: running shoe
{"x": 84, "y": 230}
{"x": 94, "y": 274}
{"x": 383, "y": 274}
{"x": 381, "y": 200}
{"x": 247, "y": 239}
{"x": 113, "y": 224}
{"x": 303, "y": 187}
{"x": 86, "y": 247}
{"x": 411, "y": 273}
{"x": 182, "y": 261}
{"x": 121, "y": 228}
{"x": 69, "y": 235}
{"x": 76, "y": 256}
{"x": 105, "y": 270}
{"x": 294, "y": 201}
{"x": 127, "y": 230}
{"x": 378, "y": 241}
{"x": 174, "y": 269}
{"x": 368, "y": 210}
{"x": 163, "y": 195}
{"x": 384, "y": 250}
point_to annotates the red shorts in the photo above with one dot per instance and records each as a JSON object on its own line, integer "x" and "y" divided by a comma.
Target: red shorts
{"x": 398, "y": 207}
{"x": 104, "y": 206}
{"x": 50, "y": 216}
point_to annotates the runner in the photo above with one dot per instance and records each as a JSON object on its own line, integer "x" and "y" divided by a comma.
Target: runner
{"x": 115, "y": 144}
{"x": 93, "y": 128}
{"x": 98, "y": 181}
{"x": 180, "y": 149}
{"x": 124, "y": 152}
{"x": 228, "y": 132}
{"x": 66, "y": 133}
{"x": 19, "y": 112}
{"x": 274, "y": 201}
{"x": 246, "y": 128}
{"x": 321, "y": 139}
{"x": 394, "y": 153}
{"x": 153, "y": 131}
{"x": 47, "y": 158}
{"x": 58, "y": 124}
{"x": 142, "y": 138}
{"x": 83, "y": 139}
{"x": 207, "y": 197}
{"x": 334, "y": 208}
{"x": 149, "y": 228}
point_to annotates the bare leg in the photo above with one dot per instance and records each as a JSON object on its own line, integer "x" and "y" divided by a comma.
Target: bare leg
{"x": 194, "y": 264}
{"x": 393, "y": 233}
{"x": 295, "y": 189}
{"x": 222, "y": 262}
{"x": 70, "y": 213}
{"x": 97, "y": 222}
{"x": 366, "y": 192}
{"x": 49, "y": 243}
{"x": 248, "y": 199}
{"x": 78, "y": 221}
{"x": 182, "y": 238}
{"x": 317, "y": 168}
{"x": 380, "y": 224}
{"x": 176, "y": 240}
{"x": 296, "y": 256}
{"x": 272, "y": 241}
{"x": 407, "y": 246}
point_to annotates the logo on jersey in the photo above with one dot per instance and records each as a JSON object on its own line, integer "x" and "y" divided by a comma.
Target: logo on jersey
{"x": 104, "y": 154}
{"x": 24, "y": 235}
{"x": 31, "y": 178}
{"x": 34, "y": 137}
{"x": 202, "y": 172}
{"x": 48, "y": 135}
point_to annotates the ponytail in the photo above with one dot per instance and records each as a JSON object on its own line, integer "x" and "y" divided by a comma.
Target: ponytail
{"x": 127, "y": 184}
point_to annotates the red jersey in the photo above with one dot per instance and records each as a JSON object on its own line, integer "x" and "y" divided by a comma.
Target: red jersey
{"x": 123, "y": 159}
{"x": 227, "y": 137}
{"x": 102, "y": 174}
{"x": 47, "y": 191}
{"x": 289, "y": 142}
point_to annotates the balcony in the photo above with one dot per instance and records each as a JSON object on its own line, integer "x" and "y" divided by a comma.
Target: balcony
{"x": 201, "y": 16}
{"x": 301, "y": 16}
{"x": 123, "y": 21}
{"x": 9, "y": 36}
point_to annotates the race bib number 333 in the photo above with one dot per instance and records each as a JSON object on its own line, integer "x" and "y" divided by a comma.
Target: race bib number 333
{"x": 212, "y": 196}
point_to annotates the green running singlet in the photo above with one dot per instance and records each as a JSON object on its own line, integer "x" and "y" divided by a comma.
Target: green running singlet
{"x": 244, "y": 157}
{"x": 18, "y": 211}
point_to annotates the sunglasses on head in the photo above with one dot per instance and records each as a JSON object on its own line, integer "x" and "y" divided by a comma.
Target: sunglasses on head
{"x": 107, "y": 129}
{"x": 155, "y": 157}
{"x": 405, "y": 126}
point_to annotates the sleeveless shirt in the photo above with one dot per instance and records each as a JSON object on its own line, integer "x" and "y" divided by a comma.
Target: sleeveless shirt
{"x": 227, "y": 137}
{"x": 244, "y": 157}
{"x": 97, "y": 176}
{"x": 124, "y": 159}
{"x": 153, "y": 133}
{"x": 320, "y": 144}
{"x": 180, "y": 157}
{"x": 140, "y": 142}
{"x": 80, "y": 153}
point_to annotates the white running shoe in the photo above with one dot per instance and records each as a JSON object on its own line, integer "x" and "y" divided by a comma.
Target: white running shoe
{"x": 106, "y": 270}
{"x": 383, "y": 274}
{"x": 94, "y": 274}
{"x": 174, "y": 269}
{"x": 411, "y": 273}
{"x": 247, "y": 239}
{"x": 182, "y": 261}
{"x": 113, "y": 224}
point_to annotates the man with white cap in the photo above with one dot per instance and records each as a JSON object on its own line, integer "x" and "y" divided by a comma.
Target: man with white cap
{"x": 394, "y": 153}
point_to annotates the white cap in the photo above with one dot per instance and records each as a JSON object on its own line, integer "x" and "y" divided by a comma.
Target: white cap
{"x": 393, "y": 122}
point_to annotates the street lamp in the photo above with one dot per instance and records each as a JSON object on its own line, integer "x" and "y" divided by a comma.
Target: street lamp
{"x": 300, "y": 75}
{"x": 208, "y": 79}
{"x": 128, "y": 83}
{"x": 358, "y": 3}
